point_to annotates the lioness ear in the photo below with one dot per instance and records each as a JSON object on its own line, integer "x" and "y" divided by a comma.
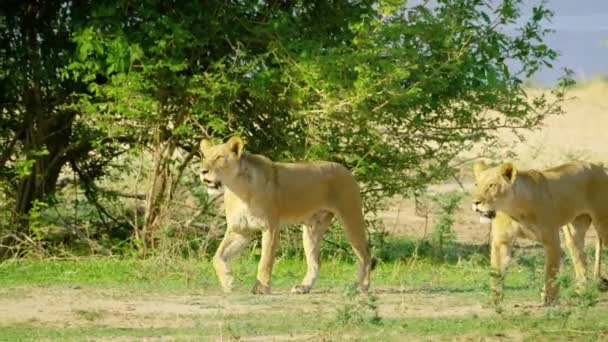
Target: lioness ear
{"x": 508, "y": 171}
{"x": 205, "y": 145}
{"x": 235, "y": 145}
{"x": 478, "y": 168}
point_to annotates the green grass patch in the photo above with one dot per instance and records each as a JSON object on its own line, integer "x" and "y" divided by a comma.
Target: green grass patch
{"x": 26, "y": 332}
{"x": 542, "y": 325}
{"x": 176, "y": 274}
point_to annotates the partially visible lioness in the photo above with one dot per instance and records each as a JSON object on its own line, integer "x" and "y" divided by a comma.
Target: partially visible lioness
{"x": 535, "y": 204}
{"x": 504, "y": 232}
{"x": 260, "y": 194}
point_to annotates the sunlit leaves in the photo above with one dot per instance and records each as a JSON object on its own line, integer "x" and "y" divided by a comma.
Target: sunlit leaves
{"x": 393, "y": 89}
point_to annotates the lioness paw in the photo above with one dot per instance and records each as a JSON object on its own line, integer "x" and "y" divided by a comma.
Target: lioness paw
{"x": 260, "y": 289}
{"x": 226, "y": 282}
{"x": 300, "y": 289}
{"x": 364, "y": 288}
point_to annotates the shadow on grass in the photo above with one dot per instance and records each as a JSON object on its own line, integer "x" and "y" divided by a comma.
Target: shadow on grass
{"x": 451, "y": 252}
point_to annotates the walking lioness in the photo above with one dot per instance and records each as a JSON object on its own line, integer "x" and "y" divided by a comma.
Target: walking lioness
{"x": 260, "y": 194}
{"x": 539, "y": 203}
{"x": 505, "y": 231}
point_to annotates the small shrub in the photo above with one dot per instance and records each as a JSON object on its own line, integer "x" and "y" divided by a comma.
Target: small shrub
{"x": 358, "y": 308}
{"x": 534, "y": 264}
{"x": 443, "y": 231}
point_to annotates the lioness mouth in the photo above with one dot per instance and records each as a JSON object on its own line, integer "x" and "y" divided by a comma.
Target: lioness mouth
{"x": 214, "y": 185}
{"x": 486, "y": 216}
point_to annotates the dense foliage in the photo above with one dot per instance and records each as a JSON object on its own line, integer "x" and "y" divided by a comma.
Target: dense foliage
{"x": 395, "y": 90}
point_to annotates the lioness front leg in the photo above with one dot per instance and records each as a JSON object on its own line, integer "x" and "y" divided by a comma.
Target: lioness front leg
{"x": 500, "y": 256}
{"x": 504, "y": 230}
{"x": 270, "y": 240}
{"x": 230, "y": 246}
{"x": 552, "y": 260}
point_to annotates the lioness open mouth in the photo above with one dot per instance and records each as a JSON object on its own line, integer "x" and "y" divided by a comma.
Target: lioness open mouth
{"x": 216, "y": 186}
{"x": 486, "y": 216}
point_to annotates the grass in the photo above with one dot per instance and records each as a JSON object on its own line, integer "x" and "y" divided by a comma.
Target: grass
{"x": 393, "y": 330}
{"x": 539, "y": 326}
{"x": 30, "y": 332}
{"x": 178, "y": 275}
{"x": 180, "y": 299}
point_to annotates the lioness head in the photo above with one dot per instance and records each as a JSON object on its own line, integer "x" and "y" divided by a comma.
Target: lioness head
{"x": 220, "y": 162}
{"x": 493, "y": 189}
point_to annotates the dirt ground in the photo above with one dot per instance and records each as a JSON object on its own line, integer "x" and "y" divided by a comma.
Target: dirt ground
{"x": 61, "y": 305}
{"x": 75, "y": 306}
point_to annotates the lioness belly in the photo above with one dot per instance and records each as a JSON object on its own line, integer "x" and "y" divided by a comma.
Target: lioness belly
{"x": 244, "y": 220}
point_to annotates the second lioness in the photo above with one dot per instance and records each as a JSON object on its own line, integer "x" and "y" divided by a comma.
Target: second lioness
{"x": 505, "y": 231}
{"x": 260, "y": 194}
{"x": 543, "y": 201}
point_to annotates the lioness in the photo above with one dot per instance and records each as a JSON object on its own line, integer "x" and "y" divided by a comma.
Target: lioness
{"x": 260, "y": 194}
{"x": 535, "y": 204}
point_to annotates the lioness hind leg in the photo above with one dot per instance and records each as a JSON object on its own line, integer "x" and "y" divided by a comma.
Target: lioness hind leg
{"x": 230, "y": 246}
{"x": 598, "y": 258}
{"x": 574, "y": 235}
{"x": 312, "y": 235}
{"x": 601, "y": 228}
{"x": 597, "y": 274}
{"x": 354, "y": 227}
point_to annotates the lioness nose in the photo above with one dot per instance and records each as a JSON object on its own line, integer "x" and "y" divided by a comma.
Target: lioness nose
{"x": 205, "y": 172}
{"x": 476, "y": 202}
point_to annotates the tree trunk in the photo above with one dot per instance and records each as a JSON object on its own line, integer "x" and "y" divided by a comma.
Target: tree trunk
{"x": 51, "y": 135}
{"x": 157, "y": 197}
{"x": 165, "y": 179}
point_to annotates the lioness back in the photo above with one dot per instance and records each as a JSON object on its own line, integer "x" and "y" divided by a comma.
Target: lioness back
{"x": 578, "y": 181}
{"x": 572, "y": 171}
{"x": 315, "y": 184}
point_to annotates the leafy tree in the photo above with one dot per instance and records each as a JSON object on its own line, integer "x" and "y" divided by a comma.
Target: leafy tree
{"x": 391, "y": 89}
{"x": 39, "y": 131}
{"x": 176, "y": 70}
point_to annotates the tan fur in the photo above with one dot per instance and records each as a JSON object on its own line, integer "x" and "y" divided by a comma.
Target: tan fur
{"x": 260, "y": 194}
{"x": 535, "y": 204}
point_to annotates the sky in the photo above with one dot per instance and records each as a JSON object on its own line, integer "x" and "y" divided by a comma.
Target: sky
{"x": 580, "y": 37}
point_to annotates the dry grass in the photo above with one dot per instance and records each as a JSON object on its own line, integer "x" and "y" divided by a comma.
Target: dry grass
{"x": 577, "y": 134}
